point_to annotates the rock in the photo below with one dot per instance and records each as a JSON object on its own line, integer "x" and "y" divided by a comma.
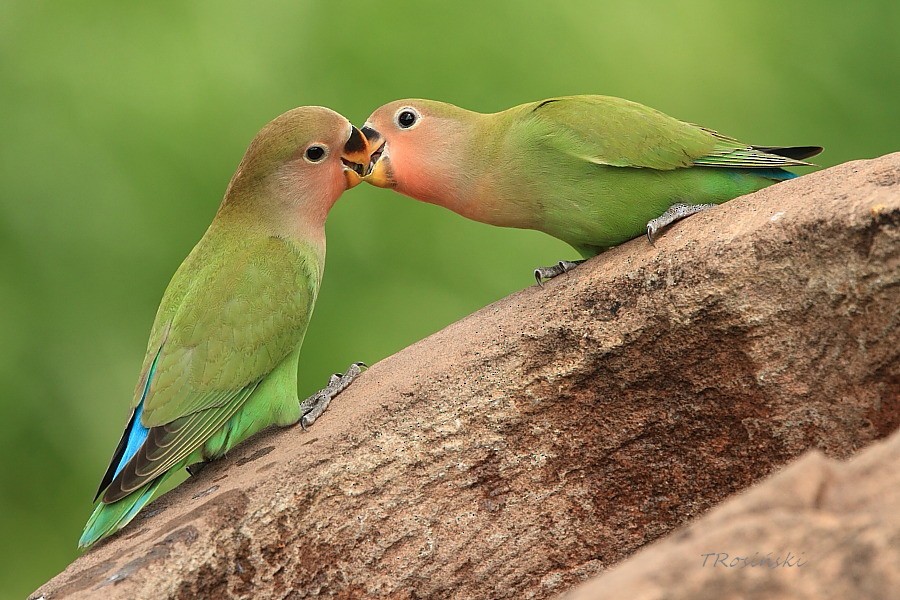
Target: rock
{"x": 543, "y": 439}
{"x": 819, "y": 530}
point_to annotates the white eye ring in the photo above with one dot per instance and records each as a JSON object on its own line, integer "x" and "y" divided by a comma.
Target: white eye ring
{"x": 406, "y": 113}
{"x": 315, "y": 153}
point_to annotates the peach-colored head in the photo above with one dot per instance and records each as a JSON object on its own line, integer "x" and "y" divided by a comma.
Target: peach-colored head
{"x": 419, "y": 149}
{"x": 299, "y": 164}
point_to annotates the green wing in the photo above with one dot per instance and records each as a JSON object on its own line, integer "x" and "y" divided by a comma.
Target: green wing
{"x": 729, "y": 152}
{"x": 233, "y": 312}
{"x": 616, "y": 132}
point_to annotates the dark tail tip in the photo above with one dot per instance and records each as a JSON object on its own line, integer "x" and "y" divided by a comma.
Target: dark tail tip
{"x": 793, "y": 152}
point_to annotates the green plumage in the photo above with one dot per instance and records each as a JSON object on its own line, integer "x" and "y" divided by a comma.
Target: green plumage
{"x": 228, "y": 333}
{"x": 593, "y": 170}
{"x": 221, "y": 361}
{"x": 589, "y": 170}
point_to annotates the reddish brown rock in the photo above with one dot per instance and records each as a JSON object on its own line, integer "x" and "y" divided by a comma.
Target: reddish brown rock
{"x": 552, "y": 434}
{"x": 819, "y": 530}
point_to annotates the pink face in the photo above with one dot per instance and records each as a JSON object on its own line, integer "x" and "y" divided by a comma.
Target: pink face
{"x": 434, "y": 152}
{"x": 407, "y": 148}
{"x": 328, "y": 149}
{"x": 444, "y": 155}
{"x": 310, "y": 155}
{"x": 329, "y": 164}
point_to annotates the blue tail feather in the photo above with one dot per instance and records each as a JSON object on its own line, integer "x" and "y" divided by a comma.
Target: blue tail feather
{"x": 109, "y": 518}
{"x": 137, "y": 435}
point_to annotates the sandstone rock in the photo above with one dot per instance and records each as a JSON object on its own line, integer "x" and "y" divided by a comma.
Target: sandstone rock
{"x": 819, "y": 530}
{"x": 552, "y": 434}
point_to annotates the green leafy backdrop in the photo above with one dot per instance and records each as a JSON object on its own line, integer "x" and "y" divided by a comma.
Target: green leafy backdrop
{"x": 121, "y": 123}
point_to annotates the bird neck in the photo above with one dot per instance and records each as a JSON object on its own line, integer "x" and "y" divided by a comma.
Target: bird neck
{"x": 448, "y": 173}
{"x": 470, "y": 174}
{"x": 278, "y": 208}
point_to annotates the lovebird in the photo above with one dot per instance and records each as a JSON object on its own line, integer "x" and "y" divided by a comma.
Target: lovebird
{"x": 593, "y": 171}
{"x": 221, "y": 362}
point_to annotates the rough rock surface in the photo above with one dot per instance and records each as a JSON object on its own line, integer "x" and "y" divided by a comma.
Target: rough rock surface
{"x": 819, "y": 530}
{"x": 550, "y": 435}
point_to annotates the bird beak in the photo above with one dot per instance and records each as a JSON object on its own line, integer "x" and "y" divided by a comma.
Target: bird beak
{"x": 379, "y": 169}
{"x": 355, "y": 157}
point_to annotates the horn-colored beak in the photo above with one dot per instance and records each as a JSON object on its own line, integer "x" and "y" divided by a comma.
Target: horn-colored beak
{"x": 379, "y": 170}
{"x": 355, "y": 157}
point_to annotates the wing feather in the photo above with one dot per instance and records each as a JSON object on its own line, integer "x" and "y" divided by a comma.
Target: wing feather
{"x": 236, "y": 308}
{"x": 169, "y": 444}
{"x": 611, "y": 131}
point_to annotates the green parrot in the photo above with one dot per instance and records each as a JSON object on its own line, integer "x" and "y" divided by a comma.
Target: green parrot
{"x": 593, "y": 171}
{"x": 221, "y": 362}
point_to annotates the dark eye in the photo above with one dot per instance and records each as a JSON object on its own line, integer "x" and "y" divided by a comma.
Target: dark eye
{"x": 406, "y": 118}
{"x": 315, "y": 153}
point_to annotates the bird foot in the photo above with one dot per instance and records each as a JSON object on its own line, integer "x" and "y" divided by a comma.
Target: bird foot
{"x": 542, "y": 274}
{"x": 313, "y": 407}
{"x": 676, "y": 212}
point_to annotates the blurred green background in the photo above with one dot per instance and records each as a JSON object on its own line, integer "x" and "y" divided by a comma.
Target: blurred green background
{"x": 122, "y": 124}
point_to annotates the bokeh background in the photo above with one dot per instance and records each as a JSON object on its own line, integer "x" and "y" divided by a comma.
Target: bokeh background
{"x": 121, "y": 124}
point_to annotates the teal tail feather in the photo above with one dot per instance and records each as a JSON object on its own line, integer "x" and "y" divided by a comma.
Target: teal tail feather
{"x": 775, "y": 174}
{"x": 109, "y": 518}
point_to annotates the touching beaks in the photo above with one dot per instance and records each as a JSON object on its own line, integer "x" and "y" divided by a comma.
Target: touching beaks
{"x": 355, "y": 157}
{"x": 372, "y": 136}
{"x": 378, "y": 172}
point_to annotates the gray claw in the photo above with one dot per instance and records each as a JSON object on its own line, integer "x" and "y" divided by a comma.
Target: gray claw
{"x": 676, "y": 212}
{"x": 568, "y": 265}
{"x": 563, "y": 266}
{"x": 313, "y": 407}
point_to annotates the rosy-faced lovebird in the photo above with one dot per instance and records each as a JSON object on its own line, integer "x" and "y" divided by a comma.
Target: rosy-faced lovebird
{"x": 221, "y": 362}
{"x": 593, "y": 171}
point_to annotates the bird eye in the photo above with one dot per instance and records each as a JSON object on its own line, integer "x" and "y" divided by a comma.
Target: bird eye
{"x": 315, "y": 153}
{"x": 407, "y": 117}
